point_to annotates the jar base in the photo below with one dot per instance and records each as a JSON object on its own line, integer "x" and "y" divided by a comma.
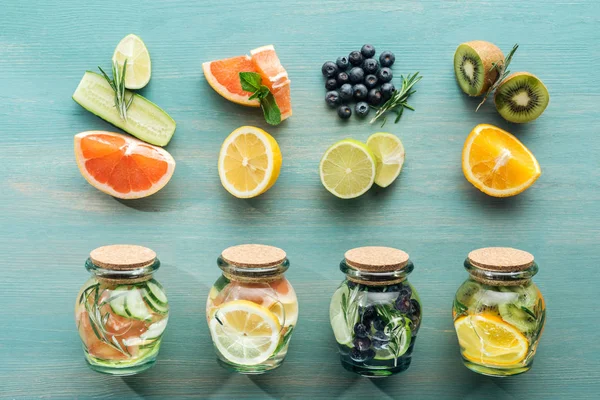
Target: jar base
{"x": 373, "y": 371}
{"x": 496, "y": 372}
{"x": 120, "y": 371}
{"x": 250, "y": 369}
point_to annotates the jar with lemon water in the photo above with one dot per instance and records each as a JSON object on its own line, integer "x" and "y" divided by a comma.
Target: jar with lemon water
{"x": 499, "y": 313}
{"x": 252, "y": 309}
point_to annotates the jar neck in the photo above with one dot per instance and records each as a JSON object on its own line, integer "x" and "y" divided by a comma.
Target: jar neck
{"x": 501, "y": 278}
{"x": 376, "y": 278}
{"x": 253, "y": 274}
{"x": 122, "y": 276}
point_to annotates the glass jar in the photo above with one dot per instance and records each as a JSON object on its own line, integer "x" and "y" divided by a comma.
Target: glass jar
{"x": 375, "y": 313}
{"x": 121, "y": 311}
{"x": 499, "y": 313}
{"x": 252, "y": 309}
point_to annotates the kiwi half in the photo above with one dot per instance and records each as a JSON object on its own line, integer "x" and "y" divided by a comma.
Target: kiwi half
{"x": 473, "y": 66}
{"x": 521, "y": 97}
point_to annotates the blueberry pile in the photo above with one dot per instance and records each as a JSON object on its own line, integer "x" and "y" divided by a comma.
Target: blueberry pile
{"x": 359, "y": 77}
{"x": 369, "y": 332}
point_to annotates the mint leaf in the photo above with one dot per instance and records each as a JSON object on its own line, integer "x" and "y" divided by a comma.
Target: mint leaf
{"x": 251, "y": 81}
{"x": 270, "y": 110}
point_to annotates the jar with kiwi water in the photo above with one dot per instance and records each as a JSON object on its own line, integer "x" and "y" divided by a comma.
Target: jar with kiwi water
{"x": 375, "y": 313}
{"x": 499, "y": 313}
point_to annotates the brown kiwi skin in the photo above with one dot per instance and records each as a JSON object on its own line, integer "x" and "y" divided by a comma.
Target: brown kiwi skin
{"x": 489, "y": 54}
{"x": 514, "y": 75}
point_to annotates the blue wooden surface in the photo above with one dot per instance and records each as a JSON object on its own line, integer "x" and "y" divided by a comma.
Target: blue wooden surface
{"x": 50, "y": 218}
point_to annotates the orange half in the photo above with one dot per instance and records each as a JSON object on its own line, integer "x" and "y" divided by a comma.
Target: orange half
{"x": 497, "y": 163}
{"x": 223, "y": 77}
{"x": 275, "y": 77}
{"x": 122, "y": 166}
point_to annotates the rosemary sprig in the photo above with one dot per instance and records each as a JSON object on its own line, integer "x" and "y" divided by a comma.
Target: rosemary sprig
{"x": 398, "y": 102}
{"x": 502, "y": 74}
{"x": 118, "y": 85}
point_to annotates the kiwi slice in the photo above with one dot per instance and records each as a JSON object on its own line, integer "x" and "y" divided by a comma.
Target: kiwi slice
{"x": 473, "y": 66}
{"x": 466, "y": 295}
{"x": 521, "y": 97}
{"x": 527, "y": 295}
{"x": 519, "y": 317}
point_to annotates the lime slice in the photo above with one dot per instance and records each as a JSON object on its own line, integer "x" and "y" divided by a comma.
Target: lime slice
{"x": 341, "y": 328}
{"x": 399, "y": 343}
{"x": 389, "y": 155}
{"x": 347, "y": 169}
{"x": 139, "y": 68}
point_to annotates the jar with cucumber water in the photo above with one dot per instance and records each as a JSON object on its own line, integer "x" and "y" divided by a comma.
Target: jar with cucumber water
{"x": 375, "y": 313}
{"x": 499, "y": 313}
{"x": 121, "y": 312}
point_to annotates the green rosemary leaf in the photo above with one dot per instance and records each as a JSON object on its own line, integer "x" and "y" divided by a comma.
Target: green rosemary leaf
{"x": 117, "y": 83}
{"x": 399, "y": 98}
{"x": 502, "y": 74}
{"x": 284, "y": 341}
{"x": 93, "y": 325}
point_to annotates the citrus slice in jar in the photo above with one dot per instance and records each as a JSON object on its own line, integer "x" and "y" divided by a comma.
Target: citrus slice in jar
{"x": 245, "y": 333}
{"x": 487, "y": 339}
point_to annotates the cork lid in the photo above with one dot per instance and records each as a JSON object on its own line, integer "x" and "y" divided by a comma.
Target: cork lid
{"x": 502, "y": 259}
{"x": 376, "y": 258}
{"x": 253, "y": 255}
{"x": 122, "y": 256}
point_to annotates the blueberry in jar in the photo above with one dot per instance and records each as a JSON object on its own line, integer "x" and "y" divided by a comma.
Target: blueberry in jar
{"x": 378, "y": 324}
{"x": 370, "y": 65}
{"x": 361, "y": 109}
{"x": 359, "y": 91}
{"x": 355, "y": 58}
{"x": 369, "y": 313}
{"x": 403, "y": 304}
{"x": 331, "y": 84}
{"x": 385, "y": 75}
{"x": 362, "y": 344}
{"x": 387, "y": 58}
{"x": 332, "y": 98}
{"x": 329, "y": 69}
{"x": 370, "y": 81}
{"x": 344, "y": 112}
{"x": 367, "y": 51}
{"x": 374, "y": 97}
{"x": 342, "y": 78}
{"x": 346, "y": 94}
{"x": 405, "y": 290}
{"x": 356, "y": 75}
{"x": 387, "y": 90}
{"x": 342, "y": 63}
{"x": 380, "y": 340}
{"x": 358, "y": 356}
{"x": 360, "y": 330}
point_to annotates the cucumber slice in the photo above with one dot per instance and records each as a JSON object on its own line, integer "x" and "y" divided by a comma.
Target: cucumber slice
{"x": 156, "y": 292}
{"x": 117, "y": 300}
{"x": 145, "y": 120}
{"x": 135, "y": 307}
{"x": 155, "y": 306}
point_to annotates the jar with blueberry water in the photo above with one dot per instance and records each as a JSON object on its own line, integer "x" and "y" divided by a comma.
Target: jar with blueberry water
{"x": 375, "y": 313}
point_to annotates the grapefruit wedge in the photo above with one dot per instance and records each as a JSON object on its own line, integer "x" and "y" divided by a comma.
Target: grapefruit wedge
{"x": 274, "y": 76}
{"x": 223, "y": 77}
{"x": 122, "y": 166}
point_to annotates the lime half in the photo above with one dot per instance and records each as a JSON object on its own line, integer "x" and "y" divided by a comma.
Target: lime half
{"x": 347, "y": 169}
{"x": 389, "y": 155}
{"x": 139, "y": 67}
{"x": 341, "y": 329}
{"x": 400, "y": 340}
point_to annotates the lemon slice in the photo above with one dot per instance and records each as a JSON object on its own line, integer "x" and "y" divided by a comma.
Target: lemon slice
{"x": 389, "y": 155}
{"x": 348, "y": 169}
{"x": 287, "y": 313}
{"x": 139, "y": 67}
{"x": 249, "y": 162}
{"x": 487, "y": 339}
{"x": 245, "y": 333}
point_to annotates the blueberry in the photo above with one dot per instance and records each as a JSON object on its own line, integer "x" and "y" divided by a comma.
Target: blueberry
{"x": 387, "y": 89}
{"x": 415, "y": 315}
{"x": 360, "y": 91}
{"x": 380, "y": 340}
{"x": 360, "y": 330}
{"x": 370, "y": 81}
{"x": 403, "y": 305}
{"x": 355, "y": 58}
{"x": 344, "y": 112}
{"x": 367, "y": 50}
{"x": 342, "y": 63}
{"x": 362, "y": 344}
{"x": 369, "y": 313}
{"x": 332, "y": 98}
{"x": 350, "y": 284}
{"x": 329, "y": 69}
{"x": 362, "y": 109}
{"x": 342, "y": 78}
{"x": 370, "y": 66}
{"x": 346, "y": 94}
{"x": 358, "y": 356}
{"x": 374, "y": 97}
{"x": 356, "y": 75}
{"x": 387, "y": 58}
{"x": 369, "y": 354}
{"x": 331, "y": 84}
{"x": 406, "y": 290}
{"x": 385, "y": 75}
{"x": 378, "y": 324}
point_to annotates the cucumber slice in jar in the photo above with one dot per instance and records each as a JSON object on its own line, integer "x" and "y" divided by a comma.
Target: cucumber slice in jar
{"x": 117, "y": 301}
{"x": 145, "y": 120}
{"x": 156, "y": 292}
{"x": 135, "y": 307}
{"x": 155, "y": 330}
{"x": 154, "y": 305}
